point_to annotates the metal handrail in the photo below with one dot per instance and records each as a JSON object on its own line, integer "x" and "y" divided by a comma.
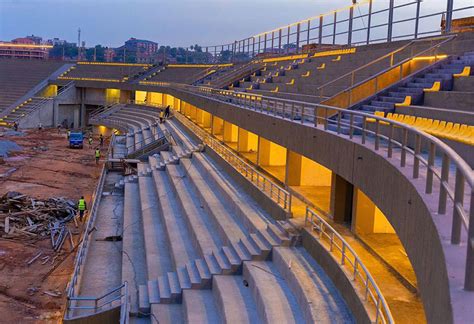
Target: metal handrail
{"x": 99, "y": 303}
{"x": 317, "y": 115}
{"x": 275, "y": 192}
{"x": 371, "y": 63}
{"x": 349, "y": 258}
{"x": 43, "y": 101}
{"x": 391, "y": 67}
{"x": 84, "y": 245}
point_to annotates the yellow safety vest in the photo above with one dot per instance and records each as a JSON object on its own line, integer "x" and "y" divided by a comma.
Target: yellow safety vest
{"x": 82, "y": 204}
{"x": 97, "y": 153}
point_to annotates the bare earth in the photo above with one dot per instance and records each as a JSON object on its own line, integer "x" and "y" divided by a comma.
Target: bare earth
{"x": 54, "y": 170}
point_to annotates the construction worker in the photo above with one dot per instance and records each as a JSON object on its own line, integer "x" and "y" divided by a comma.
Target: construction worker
{"x": 68, "y": 134}
{"x": 81, "y": 206}
{"x": 162, "y": 116}
{"x": 90, "y": 140}
{"x": 101, "y": 140}
{"x": 97, "y": 155}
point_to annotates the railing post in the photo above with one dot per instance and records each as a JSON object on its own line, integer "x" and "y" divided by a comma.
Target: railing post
{"x": 377, "y": 133}
{"x": 404, "y": 148}
{"x": 449, "y": 16}
{"x": 417, "y": 17}
{"x": 469, "y": 277}
{"x": 320, "y": 35}
{"x": 351, "y": 127}
{"x": 298, "y": 30}
{"x": 390, "y": 141}
{"x": 334, "y": 28}
{"x": 390, "y": 21}
{"x": 458, "y": 204}
{"x": 416, "y": 161}
{"x": 444, "y": 179}
{"x": 308, "y": 33}
{"x": 369, "y": 20}
{"x": 429, "y": 171}
{"x": 279, "y": 40}
{"x": 351, "y": 19}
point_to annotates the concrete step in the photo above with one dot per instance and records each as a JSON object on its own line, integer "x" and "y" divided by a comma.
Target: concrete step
{"x": 195, "y": 215}
{"x": 229, "y": 229}
{"x": 234, "y": 300}
{"x": 419, "y": 85}
{"x": 409, "y": 91}
{"x": 143, "y": 301}
{"x": 392, "y": 99}
{"x": 167, "y": 313}
{"x": 243, "y": 207}
{"x": 371, "y": 108}
{"x": 181, "y": 235}
{"x": 382, "y": 104}
{"x": 157, "y": 245}
{"x": 319, "y": 299}
{"x": 134, "y": 269}
{"x": 199, "y": 306}
{"x": 274, "y": 300}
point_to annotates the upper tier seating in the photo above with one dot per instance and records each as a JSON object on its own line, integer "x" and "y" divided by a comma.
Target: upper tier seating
{"x": 174, "y": 73}
{"x": 17, "y": 77}
{"x": 111, "y": 72}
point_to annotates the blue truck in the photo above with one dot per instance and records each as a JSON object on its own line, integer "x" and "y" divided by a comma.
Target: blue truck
{"x": 76, "y": 139}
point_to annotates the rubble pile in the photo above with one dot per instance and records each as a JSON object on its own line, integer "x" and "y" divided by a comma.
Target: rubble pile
{"x": 23, "y": 217}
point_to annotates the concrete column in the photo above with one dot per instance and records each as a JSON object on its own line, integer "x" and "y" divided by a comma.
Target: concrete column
{"x": 217, "y": 126}
{"x": 271, "y": 154}
{"x": 301, "y": 171}
{"x": 247, "y": 141}
{"x": 230, "y": 132}
{"x": 55, "y": 113}
{"x": 341, "y": 199}
{"x": 368, "y": 218}
{"x": 81, "y": 120}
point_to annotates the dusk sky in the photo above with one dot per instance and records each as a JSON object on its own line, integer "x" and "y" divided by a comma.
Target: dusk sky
{"x": 177, "y": 22}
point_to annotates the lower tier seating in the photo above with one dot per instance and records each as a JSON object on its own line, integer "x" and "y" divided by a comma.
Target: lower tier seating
{"x": 196, "y": 248}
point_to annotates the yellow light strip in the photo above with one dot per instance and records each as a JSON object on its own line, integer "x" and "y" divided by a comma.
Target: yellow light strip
{"x": 153, "y": 83}
{"x": 198, "y": 65}
{"x": 25, "y": 45}
{"x": 284, "y": 58}
{"x": 362, "y": 2}
{"x": 335, "y": 52}
{"x": 89, "y": 79}
{"x": 435, "y": 57}
{"x": 113, "y": 64}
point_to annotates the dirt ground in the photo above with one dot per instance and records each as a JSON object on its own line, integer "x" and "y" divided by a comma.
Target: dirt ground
{"x": 45, "y": 167}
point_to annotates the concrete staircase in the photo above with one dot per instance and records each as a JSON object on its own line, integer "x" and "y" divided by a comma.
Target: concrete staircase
{"x": 198, "y": 249}
{"x": 386, "y": 100}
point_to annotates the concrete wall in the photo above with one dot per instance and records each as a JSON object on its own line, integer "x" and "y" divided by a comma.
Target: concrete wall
{"x": 405, "y": 209}
{"x": 45, "y": 115}
{"x": 349, "y": 292}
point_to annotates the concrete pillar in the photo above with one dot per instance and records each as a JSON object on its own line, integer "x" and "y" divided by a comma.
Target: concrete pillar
{"x": 140, "y": 96}
{"x": 55, "y": 113}
{"x": 368, "y": 218}
{"x": 230, "y": 132}
{"x": 206, "y": 119}
{"x": 217, "y": 126}
{"x": 341, "y": 199}
{"x": 247, "y": 141}
{"x": 81, "y": 118}
{"x": 301, "y": 171}
{"x": 271, "y": 154}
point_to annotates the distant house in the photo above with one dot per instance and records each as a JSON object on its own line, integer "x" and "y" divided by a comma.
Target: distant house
{"x": 139, "y": 50}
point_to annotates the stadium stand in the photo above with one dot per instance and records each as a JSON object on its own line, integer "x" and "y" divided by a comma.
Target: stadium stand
{"x": 188, "y": 225}
{"x": 178, "y": 73}
{"x": 106, "y": 72}
{"x": 18, "y": 77}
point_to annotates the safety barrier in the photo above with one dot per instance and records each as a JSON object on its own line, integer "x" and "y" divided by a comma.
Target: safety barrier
{"x": 393, "y": 72}
{"x": 72, "y": 293}
{"x": 335, "y": 244}
{"x": 275, "y": 192}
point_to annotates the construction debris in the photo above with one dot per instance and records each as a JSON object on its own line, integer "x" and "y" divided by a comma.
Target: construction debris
{"x": 23, "y": 217}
